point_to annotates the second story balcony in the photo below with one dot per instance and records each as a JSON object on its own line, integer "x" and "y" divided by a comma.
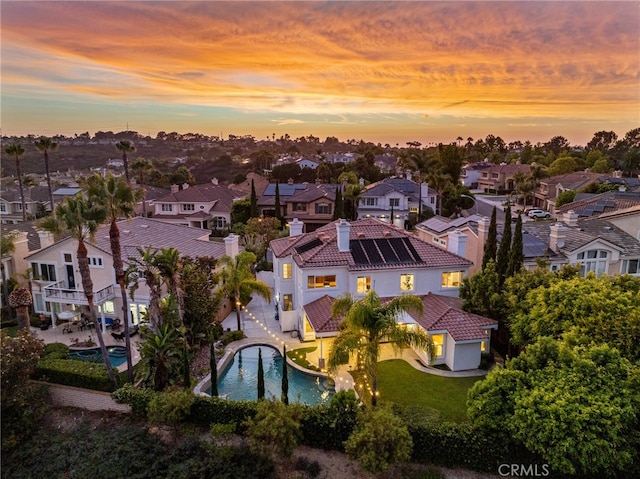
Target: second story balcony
{"x": 58, "y": 293}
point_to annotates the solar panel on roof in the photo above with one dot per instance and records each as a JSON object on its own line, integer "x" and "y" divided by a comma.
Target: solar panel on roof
{"x": 401, "y": 250}
{"x": 413, "y": 251}
{"x": 372, "y": 252}
{"x": 359, "y": 257}
{"x": 308, "y": 246}
{"x": 387, "y": 251}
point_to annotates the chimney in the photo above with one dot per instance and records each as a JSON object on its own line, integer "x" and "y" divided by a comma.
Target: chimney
{"x": 214, "y": 181}
{"x": 557, "y": 236}
{"x": 343, "y": 229}
{"x": 361, "y": 181}
{"x": 571, "y": 218}
{"x": 483, "y": 230}
{"x": 295, "y": 227}
{"x": 409, "y": 176}
{"x": 185, "y": 186}
{"x": 290, "y": 181}
{"x": 457, "y": 242}
{"x": 46, "y": 239}
{"x": 617, "y": 174}
{"x": 231, "y": 245}
{"x": 175, "y": 188}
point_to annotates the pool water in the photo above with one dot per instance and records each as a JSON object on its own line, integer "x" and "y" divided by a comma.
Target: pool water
{"x": 239, "y": 380}
{"x": 117, "y": 355}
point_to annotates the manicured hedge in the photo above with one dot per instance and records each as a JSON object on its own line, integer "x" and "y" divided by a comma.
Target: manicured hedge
{"x": 137, "y": 398}
{"x": 212, "y": 410}
{"x": 80, "y": 374}
{"x": 56, "y": 351}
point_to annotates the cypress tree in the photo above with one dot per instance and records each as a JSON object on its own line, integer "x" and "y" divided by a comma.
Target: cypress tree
{"x": 277, "y": 203}
{"x": 490, "y": 247}
{"x": 502, "y": 260}
{"x": 186, "y": 368}
{"x": 214, "y": 371}
{"x": 254, "y": 202}
{"x": 391, "y": 214}
{"x": 516, "y": 255}
{"x": 260, "y": 376}
{"x": 338, "y": 211}
{"x": 285, "y": 377}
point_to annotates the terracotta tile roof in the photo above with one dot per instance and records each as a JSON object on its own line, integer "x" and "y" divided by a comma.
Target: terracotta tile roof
{"x": 595, "y": 205}
{"x": 320, "y": 248}
{"x": 443, "y": 313}
{"x": 204, "y": 193}
{"x": 319, "y": 314}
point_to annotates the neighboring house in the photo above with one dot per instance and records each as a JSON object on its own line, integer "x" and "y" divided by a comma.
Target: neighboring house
{"x": 307, "y": 163}
{"x": 313, "y": 202}
{"x": 340, "y": 157}
{"x": 244, "y": 188}
{"x": 400, "y": 194}
{"x": 627, "y": 219}
{"x": 151, "y": 194}
{"x": 206, "y": 206}
{"x": 387, "y": 163}
{"x": 500, "y": 178}
{"x": 36, "y": 200}
{"x": 546, "y": 194}
{"x": 57, "y": 285}
{"x": 472, "y": 172}
{"x": 586, "y": 205}
{"x": 312, "y": 269}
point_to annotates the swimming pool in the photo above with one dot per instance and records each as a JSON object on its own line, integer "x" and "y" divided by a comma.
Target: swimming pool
{"x": 117, "y": 354}
{"x": 239, "y": 380}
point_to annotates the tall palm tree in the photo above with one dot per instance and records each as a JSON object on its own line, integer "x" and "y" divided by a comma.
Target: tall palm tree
{"x": 353, "y": 194}
{"x": 366, "y": 324}
{"x": 126, "y": 147}
{"x": 142, "y": 167}
{"x": 238, "y": 280}
{"x": 81, "y": 217}
{"x": 119, "y": 198}
{"x": 170, "y": 267}
{"x": 45, "y": 145}
{"x": 144, "y": 266}
{"x": 17, "y": 150}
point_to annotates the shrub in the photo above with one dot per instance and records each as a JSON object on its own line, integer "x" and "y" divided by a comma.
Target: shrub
{"x": 232, "y": 336}
{"x": 80, "y": 374}
{"x": 56, "y": 351}
{"x": 137, "y": 398}
{"x": 380, "y": 439}
{"x": 170, "y": 408}
{"x": 9, "y": 323}
{"x": 275, "y": 429}
{"x": 211, "y": 410}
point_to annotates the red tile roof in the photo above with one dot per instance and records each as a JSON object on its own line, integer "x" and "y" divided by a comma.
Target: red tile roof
{"x": 319, "y": 314}
{"x": 326, "y": 252}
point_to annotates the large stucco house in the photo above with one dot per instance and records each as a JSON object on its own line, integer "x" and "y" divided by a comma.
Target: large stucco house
{"x": 313, "y": 269}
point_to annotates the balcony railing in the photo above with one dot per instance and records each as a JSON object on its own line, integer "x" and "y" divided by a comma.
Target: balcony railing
{"x": 58, "y": 293}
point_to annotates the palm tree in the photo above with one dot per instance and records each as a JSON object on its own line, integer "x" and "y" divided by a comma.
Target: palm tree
{"x": 80, "y": 217}
{"x": 142, "y": 167}
{"x": 45, "y": 145}
{"x": 169, "y": 266}
{"x": 125, "y": 147}
{"x": 144, "y": 266}
{"x": 160, "y": 354}
{"x": 17, "y": 150}
{"x": 7, "y": 246}
{"x": 119, "y": 198}
{"x": 366, "y": 324}
{"x": 238, "y": 280}
{"x": 353, "y": 194}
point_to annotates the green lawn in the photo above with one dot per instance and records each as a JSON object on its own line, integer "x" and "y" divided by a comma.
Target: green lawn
{"x": 400, "y": 383}
{"x": 299, "y": 356}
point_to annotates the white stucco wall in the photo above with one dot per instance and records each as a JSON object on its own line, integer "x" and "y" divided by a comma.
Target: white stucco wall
{"x": 464, "y": 356}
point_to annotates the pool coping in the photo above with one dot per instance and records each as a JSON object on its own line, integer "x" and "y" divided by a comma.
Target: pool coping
{"x": 234, "y": 347}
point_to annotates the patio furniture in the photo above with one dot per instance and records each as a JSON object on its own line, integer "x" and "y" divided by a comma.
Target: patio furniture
{"x": 118, "y": 336}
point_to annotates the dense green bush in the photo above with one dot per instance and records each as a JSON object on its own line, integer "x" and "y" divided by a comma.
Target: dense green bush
{"x": 9, "y": 323}
{"x": 137, "y": 398}
{"x": 212, "y": 410}
{"x": 232, "y": 336}
{"x": 275, "y": 429}
{"x": 80, "y": 374}
{"x": 56, "y": 351}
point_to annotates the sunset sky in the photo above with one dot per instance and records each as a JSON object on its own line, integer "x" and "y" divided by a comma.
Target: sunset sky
{"x": 387, "y": 72}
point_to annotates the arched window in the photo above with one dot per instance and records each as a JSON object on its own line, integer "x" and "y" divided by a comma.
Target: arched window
{"x": 593, "y": 260}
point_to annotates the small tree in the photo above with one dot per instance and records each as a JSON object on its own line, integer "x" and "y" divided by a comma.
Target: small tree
{"x": 253, "y": 213}
{"x": 20, "y": 299}
{"x": 277, "y": 203}
{"x": 275, "y": 429}
{"x": 338, "y": 211}
{"x": 170, "y": 409}
{"x": 491, "y": 246}
{"x": 379, "y": 440}
{"x": 285, "y": 377}
{"x": 516, "y": 255}
{"x": 214, "y": 370}
{"x": 502, "y": 260}
{"x": 260, "y": 376}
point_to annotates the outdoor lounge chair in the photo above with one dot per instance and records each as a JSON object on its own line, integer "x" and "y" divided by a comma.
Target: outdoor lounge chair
{"x": 118, "y": 336}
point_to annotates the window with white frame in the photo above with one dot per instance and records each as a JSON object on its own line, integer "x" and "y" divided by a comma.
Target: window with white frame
{"x": 3, "y": 207}
{"x": 413, "y": 209}
{"x": 188, "y": 207}
{"x": 323, "y": 209}
{"x": 44, "y": 271}
{"x": 363, "y": 284}
{"x": 220, "y": 222}
{"x": 108, "y": 307}
{"x": 593, "y": 260}
{"x": 328, "y": 281}
{"x": 287, "y": 302}
{"x": 451, "y": 279}
{"x": 287, "y": 271}
{"x": 631, "y": 266}
{"x": 95, "y": 261}
{"x": 370, "y": 201}
{"x": 394, "y": 202}
{"x": 166, "y": 207}
{"x": 406, "y": 282}
{"x": 438, "y": 345}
